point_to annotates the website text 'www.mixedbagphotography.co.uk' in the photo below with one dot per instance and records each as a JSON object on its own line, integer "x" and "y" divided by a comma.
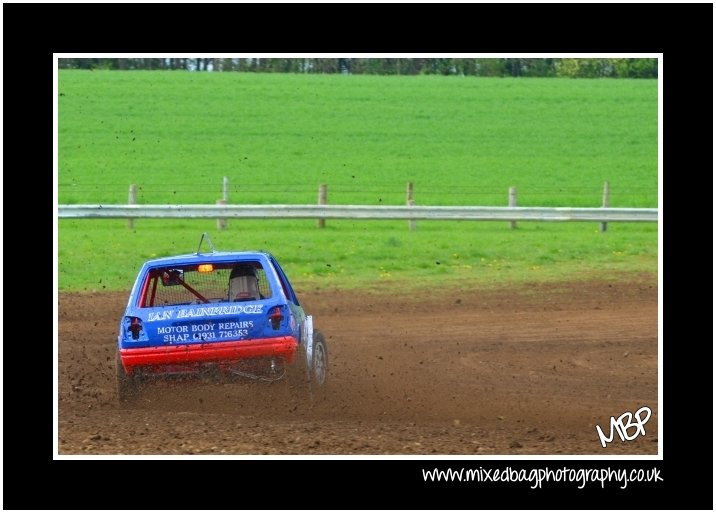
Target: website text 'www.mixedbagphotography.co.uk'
{"x": 536, "y": 477}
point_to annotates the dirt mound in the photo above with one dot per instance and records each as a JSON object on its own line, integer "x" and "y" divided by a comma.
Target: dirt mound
{"x": 529, "y": 370}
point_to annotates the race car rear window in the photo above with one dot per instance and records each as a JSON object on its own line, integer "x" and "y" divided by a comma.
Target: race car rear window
{"x": 196, "y": 284}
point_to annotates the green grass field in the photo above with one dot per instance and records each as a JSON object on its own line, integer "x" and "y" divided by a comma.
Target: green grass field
{"x": 461, "y": 140}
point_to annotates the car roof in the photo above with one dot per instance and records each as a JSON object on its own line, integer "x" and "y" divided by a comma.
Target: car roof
{"x": 216, "y": 256}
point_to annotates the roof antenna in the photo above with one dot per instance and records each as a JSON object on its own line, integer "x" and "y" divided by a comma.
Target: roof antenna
{"x": 208, "y": 240}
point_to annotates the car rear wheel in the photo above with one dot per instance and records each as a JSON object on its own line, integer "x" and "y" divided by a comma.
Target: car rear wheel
{"x": 319, "y": 371}
{"x": 128, "y": 387}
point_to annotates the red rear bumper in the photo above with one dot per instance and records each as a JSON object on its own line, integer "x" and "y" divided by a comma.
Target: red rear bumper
{"x": 284, "y": 347}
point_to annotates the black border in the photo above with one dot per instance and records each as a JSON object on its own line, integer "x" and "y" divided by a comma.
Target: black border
{"x": 32, "y": 480}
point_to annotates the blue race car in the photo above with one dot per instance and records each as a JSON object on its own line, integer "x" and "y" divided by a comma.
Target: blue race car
{"x": 217, "y": 313}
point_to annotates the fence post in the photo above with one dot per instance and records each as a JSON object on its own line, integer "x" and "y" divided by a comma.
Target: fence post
{"x": 410, "y": 202}
{"x": 512, "y": 202}
{"x": 605, "y": 204}
{"x": 221, "y": 223}
{"x": 322, "y": 199}
{"x": 132, "y": 200}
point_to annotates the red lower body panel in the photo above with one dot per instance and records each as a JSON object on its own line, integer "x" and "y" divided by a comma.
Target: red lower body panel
{"x": 284, "y": 347}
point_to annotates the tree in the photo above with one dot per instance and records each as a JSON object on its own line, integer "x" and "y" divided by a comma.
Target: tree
{"x": 483, "y": 67}
{"x": 636, "y": 68}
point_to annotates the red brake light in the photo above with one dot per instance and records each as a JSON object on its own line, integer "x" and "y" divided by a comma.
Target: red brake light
{"x": 276, "y": 317}
{"x": 135, "y": 327}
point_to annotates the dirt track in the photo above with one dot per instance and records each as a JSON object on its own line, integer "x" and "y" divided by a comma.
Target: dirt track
{"x": 511, "y": 371}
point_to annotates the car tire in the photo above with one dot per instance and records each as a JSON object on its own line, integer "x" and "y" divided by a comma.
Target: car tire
{"x": 318, "y": 382}
{"x": 128, "y": 387}
{"x": 319, "y": 371}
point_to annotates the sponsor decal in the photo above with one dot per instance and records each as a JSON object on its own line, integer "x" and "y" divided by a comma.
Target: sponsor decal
{"x": 208, "y": 311}
{"x": 205, "y": 331}
{"x": 205, "y": 311}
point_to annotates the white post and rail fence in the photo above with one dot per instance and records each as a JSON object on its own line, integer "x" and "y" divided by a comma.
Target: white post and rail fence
{"x": 222, "y": 211}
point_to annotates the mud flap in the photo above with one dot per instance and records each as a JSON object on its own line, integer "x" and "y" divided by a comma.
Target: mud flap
{"x": 308, "y": 337}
